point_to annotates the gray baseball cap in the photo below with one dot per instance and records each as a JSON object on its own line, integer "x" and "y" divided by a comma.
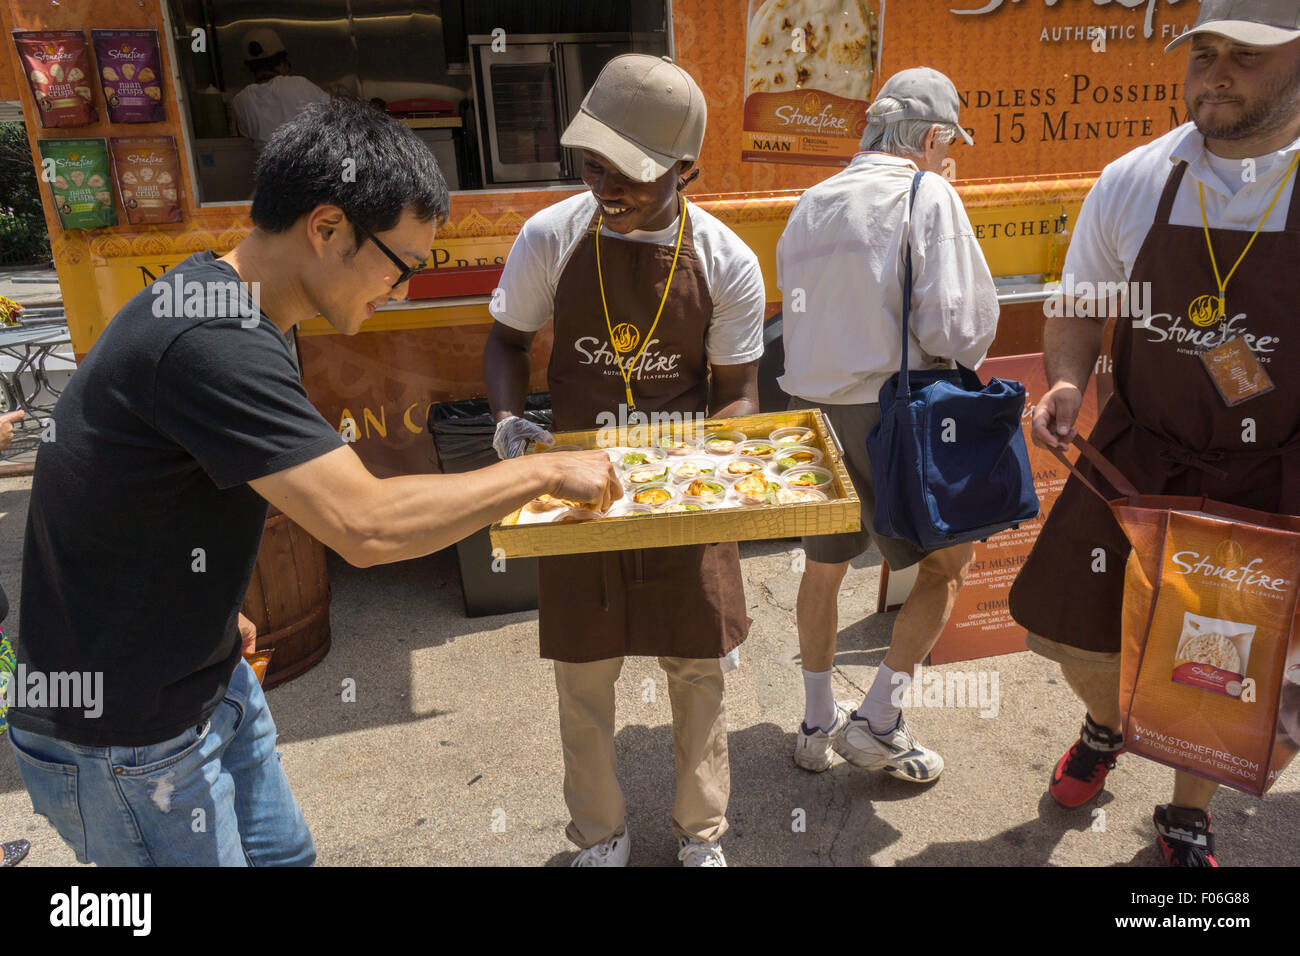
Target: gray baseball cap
{"x": 926, "y": 95}
{"x": 1256, "y": 22}
{"x": 644, "y": 113}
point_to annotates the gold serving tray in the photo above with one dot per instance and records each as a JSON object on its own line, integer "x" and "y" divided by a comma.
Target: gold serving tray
{"x": 762, "y": 522}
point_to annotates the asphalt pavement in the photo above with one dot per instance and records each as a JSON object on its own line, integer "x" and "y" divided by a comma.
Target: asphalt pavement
{"x": 450, "y": 753}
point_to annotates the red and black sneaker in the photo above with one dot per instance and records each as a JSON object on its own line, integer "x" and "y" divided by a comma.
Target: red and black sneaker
{"x": 1184, "y": 836}
{"x": 1081, "y": 773}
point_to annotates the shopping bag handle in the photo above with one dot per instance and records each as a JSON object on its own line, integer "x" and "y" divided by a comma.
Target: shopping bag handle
{"x": 1098, "y": 461}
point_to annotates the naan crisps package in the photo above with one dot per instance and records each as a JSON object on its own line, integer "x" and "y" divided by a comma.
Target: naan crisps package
{"x": 1213, "y": 654}
{"x": 148, "y": 178}
{"x": 130, "y": 73}
{"x": 81, "y": 189}
{"x": 809, "y": 69}
{"x": 57, "y": 66}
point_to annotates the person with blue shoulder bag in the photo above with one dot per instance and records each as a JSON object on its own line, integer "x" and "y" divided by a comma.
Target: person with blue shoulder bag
{"x": 841, "y": 269}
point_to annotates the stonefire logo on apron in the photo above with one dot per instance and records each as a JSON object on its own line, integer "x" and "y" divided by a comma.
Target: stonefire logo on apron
{"x": 669, "y": 602}
{"x": 1214, "y": 293}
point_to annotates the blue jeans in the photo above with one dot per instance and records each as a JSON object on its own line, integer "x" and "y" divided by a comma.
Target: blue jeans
{"x": 215, "y": 795}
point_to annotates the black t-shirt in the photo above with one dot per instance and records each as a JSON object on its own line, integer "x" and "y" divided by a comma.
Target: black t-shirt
{"x": 142, "y": 531}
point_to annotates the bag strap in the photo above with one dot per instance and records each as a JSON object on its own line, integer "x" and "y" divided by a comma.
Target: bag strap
{"x": 1098, "y": 461}
{"x": 904, "y": 388}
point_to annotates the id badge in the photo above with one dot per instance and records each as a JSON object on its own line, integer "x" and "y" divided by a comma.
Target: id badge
{"x": 1236, "y": 372}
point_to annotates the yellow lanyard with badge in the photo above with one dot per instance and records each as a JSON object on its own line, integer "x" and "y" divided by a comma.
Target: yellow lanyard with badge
{"x": 1233, "y": 367}
{"x": 626, "y": 339}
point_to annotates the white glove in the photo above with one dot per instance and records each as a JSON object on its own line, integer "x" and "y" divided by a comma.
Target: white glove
{"x": 513, "y": 435}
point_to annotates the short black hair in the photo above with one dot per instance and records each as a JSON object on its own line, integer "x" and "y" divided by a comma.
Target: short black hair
{"x": 344, "y": 152}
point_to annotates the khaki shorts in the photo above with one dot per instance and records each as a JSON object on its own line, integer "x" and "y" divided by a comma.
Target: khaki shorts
{"x": 852, "y": 423}
{"x": 1071, "y": 656}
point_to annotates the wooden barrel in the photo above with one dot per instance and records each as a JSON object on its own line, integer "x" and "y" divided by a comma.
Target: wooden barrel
{"x": 289, "y": 599}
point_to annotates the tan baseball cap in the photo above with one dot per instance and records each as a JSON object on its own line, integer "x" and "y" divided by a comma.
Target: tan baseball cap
{"x": 643, "y": 114}
{"x": 924, "y": 94}
{"x": 1256, "y": 22}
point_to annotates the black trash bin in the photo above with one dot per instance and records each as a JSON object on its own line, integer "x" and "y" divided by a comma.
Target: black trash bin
{"x": 462, "y": 435}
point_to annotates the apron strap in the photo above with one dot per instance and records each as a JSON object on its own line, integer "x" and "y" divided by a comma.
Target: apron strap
{"x": 1171, "y": 192}
{"x": 1098, "y": 461}
{"x": 1293, "y": 217}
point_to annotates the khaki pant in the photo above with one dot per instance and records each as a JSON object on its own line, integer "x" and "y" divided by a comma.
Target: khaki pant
{"x": 591, "y": 788}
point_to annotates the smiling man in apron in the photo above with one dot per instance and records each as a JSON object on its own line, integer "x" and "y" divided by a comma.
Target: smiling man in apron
{"x": 1204, "y": 225}
{"x": 648, "y": 304}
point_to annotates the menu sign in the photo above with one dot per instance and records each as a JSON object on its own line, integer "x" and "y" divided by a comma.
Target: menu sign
{"x": 1047, "y": 87}
{"x": 981, "y": 624}
{"x": 808, "y": 75}
{"x": 1053, "y": 86}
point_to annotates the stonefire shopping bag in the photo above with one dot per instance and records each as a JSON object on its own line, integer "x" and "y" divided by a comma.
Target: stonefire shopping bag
{"x": 1210, "y": 660}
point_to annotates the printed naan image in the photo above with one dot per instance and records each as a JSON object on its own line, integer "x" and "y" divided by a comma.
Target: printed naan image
{"x": 818, "y": 44}
{"x": 1213, "y": 649}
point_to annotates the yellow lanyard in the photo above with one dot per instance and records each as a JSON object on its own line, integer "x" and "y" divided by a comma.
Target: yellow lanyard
{"x": 1205, "y": 222}
{"x": 600, "y": 278}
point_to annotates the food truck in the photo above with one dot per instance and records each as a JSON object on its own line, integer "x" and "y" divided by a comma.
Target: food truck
{"x": 1051, "y": 90}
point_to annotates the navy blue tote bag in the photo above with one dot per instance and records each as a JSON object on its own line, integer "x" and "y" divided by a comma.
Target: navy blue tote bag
{"x": 948, "y": 459}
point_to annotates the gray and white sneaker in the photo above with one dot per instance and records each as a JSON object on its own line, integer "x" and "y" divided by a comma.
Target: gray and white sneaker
{"x": 611, "y": 852}
{"x": 897, "y": 753}
{"x": 698, "y": 853}
{"x": 812, "y": 748}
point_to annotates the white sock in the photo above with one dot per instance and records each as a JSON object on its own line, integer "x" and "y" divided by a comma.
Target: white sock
{"x": 878, "y": 707}
{"x": 819, "y": 700}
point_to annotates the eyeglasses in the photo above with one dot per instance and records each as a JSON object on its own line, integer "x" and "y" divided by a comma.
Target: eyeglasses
{"x": 406, "y": 271}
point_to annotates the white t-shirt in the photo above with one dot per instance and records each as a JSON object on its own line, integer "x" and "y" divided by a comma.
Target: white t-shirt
{"x": 731, "y": 272}
{"x": 839, "y": 264}
{"x": 1121, "y": 207}
{"x": 262, "y": 108}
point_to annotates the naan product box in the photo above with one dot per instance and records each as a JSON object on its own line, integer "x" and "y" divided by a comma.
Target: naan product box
{"x": 80, "y": 184}
{"x": 809, "y": 69}
{"x": 1213, "y": 654}
{"x": 57, "y": 66}
{"x": 130, "y": 74}
{"x": 148, "y": 178}
{"x": 697, "y": 482}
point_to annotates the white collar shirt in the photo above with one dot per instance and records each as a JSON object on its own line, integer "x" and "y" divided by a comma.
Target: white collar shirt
{"x": 1121, "y": 207}
{"x": 840, "y": 270}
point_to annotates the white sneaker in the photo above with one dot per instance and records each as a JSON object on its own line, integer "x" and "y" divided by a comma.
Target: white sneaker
{"x": 696, "y": 853}
{"x": 897, "y": 753}
{"x": 611, "y": 852}
{"x": 812, "y": 751}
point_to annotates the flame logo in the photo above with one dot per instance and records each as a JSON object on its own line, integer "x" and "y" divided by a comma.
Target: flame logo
{"x": 625, "y": 337}
{"x": 74, "y": 156}
{"x": 1205, "y": 310}
{"x": 1232, "y": 554}
{"x": 812, "y": 103}
{"x": 125, "y": 48}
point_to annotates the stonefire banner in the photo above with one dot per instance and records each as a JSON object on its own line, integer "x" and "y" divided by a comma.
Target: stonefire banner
{"x": 1047, "y": 87}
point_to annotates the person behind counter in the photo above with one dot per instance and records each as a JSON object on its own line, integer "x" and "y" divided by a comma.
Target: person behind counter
{"x": 275, "y": 96}
{"x": 146, "y": 513}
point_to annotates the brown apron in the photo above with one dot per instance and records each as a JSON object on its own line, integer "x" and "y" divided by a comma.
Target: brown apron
{"x": 1166, "y": 428}
{"x": 663, "y": 602}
